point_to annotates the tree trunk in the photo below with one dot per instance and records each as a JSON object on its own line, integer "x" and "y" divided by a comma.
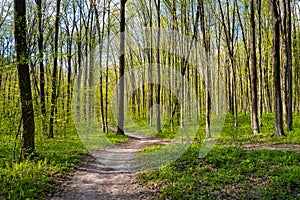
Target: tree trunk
{"x": 229, "y": 37}
{"x": 41, "y": 57}
{"x": 107, "y": 69}
{"x": 284, "y": 60}
{"x": 254, "y": 119}
{"x": 289, "y": 69}
{"x": 158, "y": 124}
{"x": 100, "y": 41}
{"x": 121, "y": 69}
{"x": 260, "y": 80}
{"x": 54, "y": 75}
{"x": 207, "y": 69}
{"x": 27, "y": 140}
{"x": 276, "y": 69}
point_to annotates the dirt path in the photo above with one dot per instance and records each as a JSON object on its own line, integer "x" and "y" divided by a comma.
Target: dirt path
{"x": 110, "y": 174}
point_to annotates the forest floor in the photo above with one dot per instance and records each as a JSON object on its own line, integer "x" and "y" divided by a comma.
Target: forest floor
{"x": 265, "y": 146}
{"x": 108, "y": 174}
{"x": 111, "y": 172}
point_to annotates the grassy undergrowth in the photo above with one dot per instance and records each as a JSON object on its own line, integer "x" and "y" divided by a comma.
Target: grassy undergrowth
{"x": 228, "y": 173}
{"x": 229, "y": 135}
{"x": 243, "y": 134}
{"x": 53, "y": 158}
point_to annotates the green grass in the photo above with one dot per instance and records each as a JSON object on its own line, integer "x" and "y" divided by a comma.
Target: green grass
{"x": 228, "y": 173}
{"x": 243, "y": 134}
{"x": 141, "y": 126}
{"x": 229, "y": 134}
{"x": 31, "y": 178}
{"x": 152, "y": 148}
{"x": 116, "y": 139}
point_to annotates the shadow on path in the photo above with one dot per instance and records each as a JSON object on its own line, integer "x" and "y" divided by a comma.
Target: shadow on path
{"x": 109, "y": 174}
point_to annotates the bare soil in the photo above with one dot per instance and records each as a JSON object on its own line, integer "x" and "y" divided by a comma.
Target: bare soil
{"x": 109, "y": 174}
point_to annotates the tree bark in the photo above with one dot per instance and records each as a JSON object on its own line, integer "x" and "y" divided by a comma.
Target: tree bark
{"x": 150, "y": 70}
{"x": 278, "y": 122}
{"x": 27, "y": 140}
{"x": 284, "y": 60}
{"x": 107, "y": 68}
{"x": 260, "y": 80}
{"x": 54, "y": 75}
{"x": 229, "y": 37}
{"x": 121, "y": 69}
{"x": 41, "y": 57}
{"x": 254, "y": 119}
{"x": 207, "y": 69}
{"x": 100, "y": 42}
{"x": 158, "y": 123}
{"x": 289, "y": 68}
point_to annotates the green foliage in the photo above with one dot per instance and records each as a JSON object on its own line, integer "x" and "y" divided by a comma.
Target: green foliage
{"x": 228, "y": 173}
{"x": 141, "y": 126}
{"x": 152, "y": 148}
{"x": 115, "y": 138}
{"x": 25, "y": 180}
{"x": 243, "y": 134}
{"x": 30, "y": 178}
{"x": 229, "y": 135}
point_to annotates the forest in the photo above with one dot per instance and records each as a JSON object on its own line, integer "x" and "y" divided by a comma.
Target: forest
{"x": 156, "y": 99}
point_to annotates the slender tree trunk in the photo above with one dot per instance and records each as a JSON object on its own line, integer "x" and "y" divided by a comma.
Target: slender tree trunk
{"x": 246, "y": 96}
{"x": 207, "y": 69}
{"x": 276, "y": 69}
{"x": 54, "y": 75}
{"x": 284, "y": 60}
{"x": 27, "y": 140}
{"x": 100, "y": 41}
{"x": 254, "y": 119}
{"x": 289, "y": 69}
{"x": 260, "y": 80}
{"x": 150, "y": 75}
{"x": 121, "y": 69}
{"x": 158, "y": 124}
{"x": 69, "y": 64}
{"x": 229, "y": 36}
{"x": 107, "y": 69}
{"x": 41, "y": 57}
{"x": 78, "y": 69}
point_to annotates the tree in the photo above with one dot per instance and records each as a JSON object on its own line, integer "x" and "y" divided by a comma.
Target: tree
{"x": 286, "y": 63}
{"x": 260, "y": 80}
{"x": 254, "y": 119}
{"x": 107, "y": 67}
{"x": 41, "y": 57}
{"x": 229, "y": 33}
{"x": 206, "y": 43}
{"x": 158, "y": 124}
{"x": 276, "y": 69}
{"x": 284, "y": 60}
{"x": 150, "y": 71}
{"x": 288, "y": 53}
{"x": 121, "y": 68}
{"x": 289, "y": 69}
{"x": 27, "y": 140}
{"x": 54, "y": 74}
{"x": 100, "y": 39}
